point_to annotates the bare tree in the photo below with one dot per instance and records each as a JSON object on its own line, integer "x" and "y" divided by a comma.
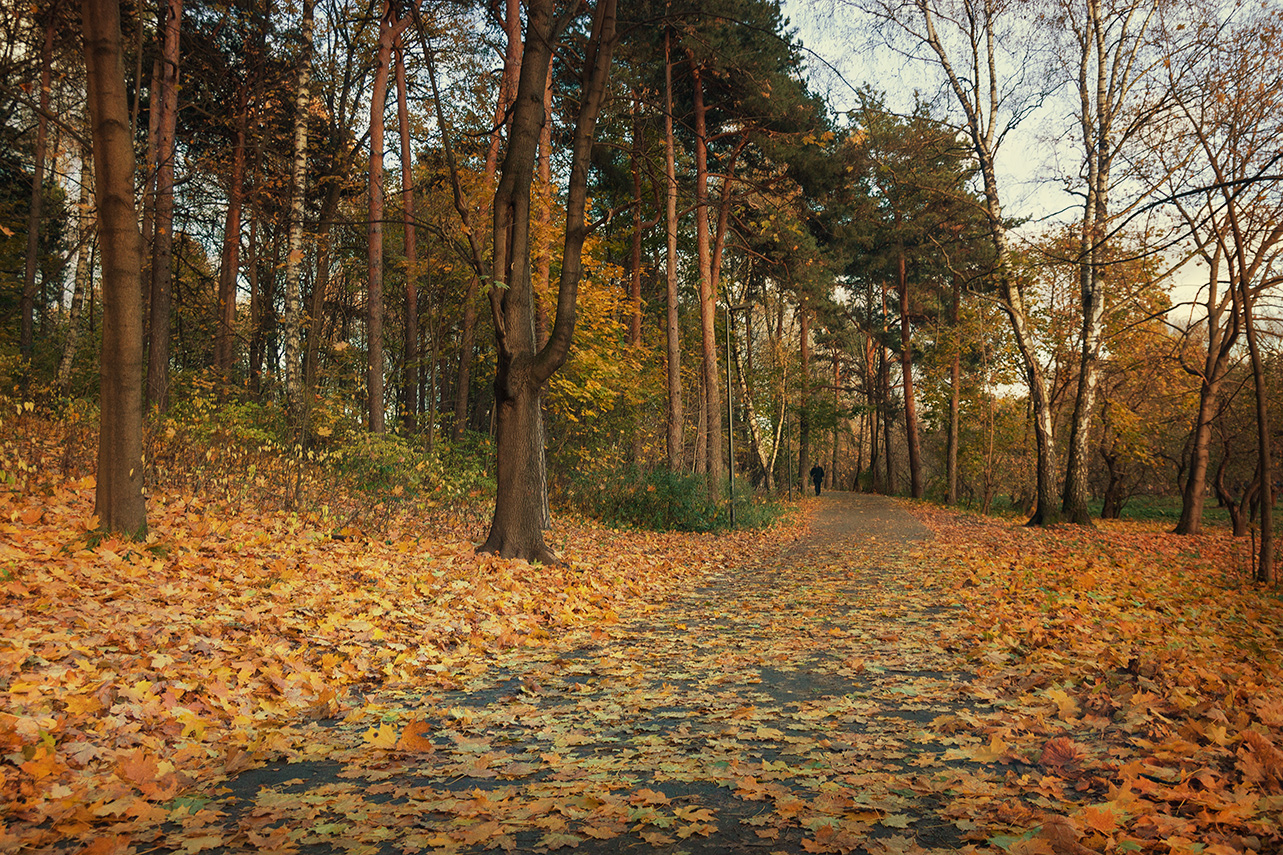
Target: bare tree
{"x": 983, "y": 50}
{"x": 1228, "y": 98}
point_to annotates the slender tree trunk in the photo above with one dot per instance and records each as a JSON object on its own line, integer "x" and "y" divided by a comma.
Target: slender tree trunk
{"x": 635, "y": 265}
{"x": 163, "y": 241}
{"x": 523, "y": 368}
{"x": 750, "y": 411}
{"x": 507, "y": 92}
{"x": 298, "y": 200}
{"x": 1220, "y": 344}
{"x": 982, "y": 125}
{"x": 37, "y": 189}
{"x": 673, "y": 342}
{"x": 410, "y": 380}
{"x": 913, "y": 442}
{"x": 804, "y": 398}
{"x": 119, "y": 501}
{"x": 707, "y": 296}
{"x": 955, "y": 394}
{"x": 229, "y": 267}
{"x": 84, "y": 268}
{"x": 389, "y": 31}
{"x": 1264, "y": 443}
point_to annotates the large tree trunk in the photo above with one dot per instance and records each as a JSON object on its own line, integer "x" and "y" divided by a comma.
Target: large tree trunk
{"x": 523, "y": 367}
{"x": 410, "y": 377}
{"x": 294, "y": 367}
{"x": 707, "y": 296}
{"x": 673, "y": 343}
{"x": 28, "y": 303}
{"x": 906, "y": 371}
{"x": 119, "y": 501}
{"x": 162, "y": 262}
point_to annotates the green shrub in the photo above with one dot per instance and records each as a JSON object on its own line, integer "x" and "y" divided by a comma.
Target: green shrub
{"x": 660, "y": 500}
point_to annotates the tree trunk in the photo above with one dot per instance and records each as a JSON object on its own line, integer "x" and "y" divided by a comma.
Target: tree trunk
{"x": 804, "y": 399}
{"x": 982, "y": 125}
{"x": 294, "y": 367}
{"x": 389, "y": 31}
{"x": 523, "y": 368}
{"x": 28, "y": 304}
{"x": 410, "y": 378}
{"x": 707, "y": 297}
{"x": 1220, "y": 343}
{"x": 507, "y": 91}
{"x": 1264, "y": 444}
{"x": 229, "y": 267}
{"x": 162, "y": 263}
{"x": 673, "y": 331}
{"x": 84, "y": 269}
{"x": 906, "y": 369}
{"x": 119, "y": 501}
{"x": 635, "y": 266}
{"x": 955, "y": 396}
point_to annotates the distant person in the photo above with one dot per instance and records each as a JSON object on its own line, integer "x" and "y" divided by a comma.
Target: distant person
{"x": 817, "y": 477}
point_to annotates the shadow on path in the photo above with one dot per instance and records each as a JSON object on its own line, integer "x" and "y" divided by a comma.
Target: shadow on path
{"x": 810, "y": 703}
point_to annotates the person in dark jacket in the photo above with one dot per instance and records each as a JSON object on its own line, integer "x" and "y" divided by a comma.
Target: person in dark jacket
{"x": 817, "y": 477}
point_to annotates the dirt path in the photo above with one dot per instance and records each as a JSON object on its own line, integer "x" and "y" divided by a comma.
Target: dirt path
{"x": 803, "y": 705}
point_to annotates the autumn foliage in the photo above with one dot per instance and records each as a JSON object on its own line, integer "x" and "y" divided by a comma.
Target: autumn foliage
{"x": 1122, "y": 685}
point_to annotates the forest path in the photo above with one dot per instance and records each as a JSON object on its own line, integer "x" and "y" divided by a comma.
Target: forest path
{"x": 811, "y": 702}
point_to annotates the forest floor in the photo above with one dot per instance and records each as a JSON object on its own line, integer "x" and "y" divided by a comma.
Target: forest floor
{"x": 876, "y": 677}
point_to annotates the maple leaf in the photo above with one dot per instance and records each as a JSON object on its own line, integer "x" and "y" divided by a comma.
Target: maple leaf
{"x": 647, "y": 796}
{"x": 383, "y": 736}
{"x": 1063, "y": 754}
{"x": 416, "y": 737}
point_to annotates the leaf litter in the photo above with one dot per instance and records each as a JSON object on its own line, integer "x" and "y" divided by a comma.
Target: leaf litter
{"x": 252, "y": 681}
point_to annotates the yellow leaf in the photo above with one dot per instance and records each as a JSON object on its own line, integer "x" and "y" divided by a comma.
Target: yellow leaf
{"x": 383, "y": 736}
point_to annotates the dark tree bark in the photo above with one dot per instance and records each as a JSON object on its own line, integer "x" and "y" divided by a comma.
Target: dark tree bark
{"x": 523, "y": 367}
{"x": 119, "y": 501}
